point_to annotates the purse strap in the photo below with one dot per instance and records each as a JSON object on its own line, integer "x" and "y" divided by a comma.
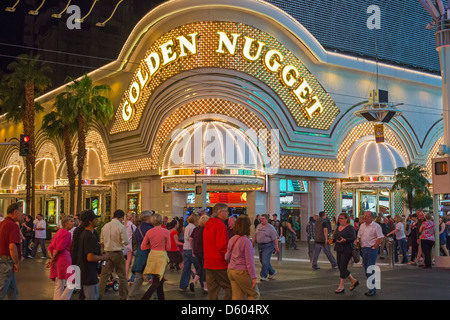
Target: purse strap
{"x": 232, "y": 247}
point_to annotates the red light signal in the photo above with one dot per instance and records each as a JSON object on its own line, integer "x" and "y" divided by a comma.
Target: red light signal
{"x": 24, "y": 149}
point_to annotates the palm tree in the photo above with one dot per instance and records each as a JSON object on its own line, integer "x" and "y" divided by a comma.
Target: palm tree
{"x": 411, "y": 179}
{"x": 61, "y": 122}
{"x": 28, "y": 78}
{"x": 90, "y": 105}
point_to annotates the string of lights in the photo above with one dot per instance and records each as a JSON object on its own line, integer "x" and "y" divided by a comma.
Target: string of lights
{"x": 35, "y": 12}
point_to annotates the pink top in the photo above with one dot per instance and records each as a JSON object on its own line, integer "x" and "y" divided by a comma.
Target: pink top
{"x": 427, "y": 231}
{"x": 156, "y": 238}
{"x": 62, "y": 241}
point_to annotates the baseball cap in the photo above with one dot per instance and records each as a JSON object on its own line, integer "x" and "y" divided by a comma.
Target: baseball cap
{"x": 88, "y": 215}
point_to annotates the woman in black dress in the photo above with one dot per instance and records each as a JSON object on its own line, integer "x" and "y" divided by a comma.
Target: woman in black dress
{"x": 344, "y": 237}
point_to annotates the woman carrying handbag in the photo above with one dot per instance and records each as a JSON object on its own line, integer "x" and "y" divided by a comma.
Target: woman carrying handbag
{"x": 344, "y": 237}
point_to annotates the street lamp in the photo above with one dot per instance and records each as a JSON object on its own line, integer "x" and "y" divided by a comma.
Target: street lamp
{"x": 441, "y": 19}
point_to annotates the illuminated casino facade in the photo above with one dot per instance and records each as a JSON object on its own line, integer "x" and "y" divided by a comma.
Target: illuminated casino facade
{"x": 253, "y": 77}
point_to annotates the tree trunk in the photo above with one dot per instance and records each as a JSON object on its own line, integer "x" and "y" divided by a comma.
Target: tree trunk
{"x": 410, "y": 202}
{"x": 28, "y": 187}
{"x": 81, "y": 158}
{"x": 70, "y": 169}
{"x": 29, "y": 130}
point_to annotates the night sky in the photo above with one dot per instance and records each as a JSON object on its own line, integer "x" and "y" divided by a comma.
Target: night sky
{"x": 68, "y": 52}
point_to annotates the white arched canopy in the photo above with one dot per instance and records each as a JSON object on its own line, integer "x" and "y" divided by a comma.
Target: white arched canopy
{"x": 213, "y": 152}
{"x": 375, "y": 159}
{"x": 92, "y": 169}
{"x": 9, "y": 177}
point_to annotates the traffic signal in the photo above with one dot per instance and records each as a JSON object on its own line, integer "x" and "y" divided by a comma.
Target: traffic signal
{"x": 24, "y": 145}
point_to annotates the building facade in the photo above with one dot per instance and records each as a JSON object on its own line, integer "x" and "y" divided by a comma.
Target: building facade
{"x": 238, "y": 102}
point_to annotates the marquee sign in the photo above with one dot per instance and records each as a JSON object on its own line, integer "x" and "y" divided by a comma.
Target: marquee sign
{"x": 227, "y": 45}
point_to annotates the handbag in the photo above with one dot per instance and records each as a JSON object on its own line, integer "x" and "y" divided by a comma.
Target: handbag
{"x": 356, "y": 254}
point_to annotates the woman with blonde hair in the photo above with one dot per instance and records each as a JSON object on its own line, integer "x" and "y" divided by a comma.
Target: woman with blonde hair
{"x": 131, "y": 228}
{"x": 197, "y": 252}
{"x": 188, "y": 258}
{"x": 60, "y": 259}
{"x": 156, "y": 239}
{"x": 427, "y": 239}
{"x": 400, "y": 239}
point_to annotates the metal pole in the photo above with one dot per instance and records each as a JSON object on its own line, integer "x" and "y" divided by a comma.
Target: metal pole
{"x": 436, "y": 207}
{"x": 391, "y": 253}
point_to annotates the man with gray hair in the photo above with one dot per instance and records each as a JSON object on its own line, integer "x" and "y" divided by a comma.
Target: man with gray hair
{"x": 215, "y": 245}
{"x": 267, "y": 239}
{"x": 114, "y": 238}
{"x": 140, "y": 259}
{"x": 370, "y": 237}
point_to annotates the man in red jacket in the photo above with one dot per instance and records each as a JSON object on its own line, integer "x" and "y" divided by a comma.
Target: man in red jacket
{"x": 215, "y": 242}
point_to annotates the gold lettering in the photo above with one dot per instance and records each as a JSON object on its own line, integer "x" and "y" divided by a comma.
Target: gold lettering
{"x": 314, "y": 107}
{"x": 224, "y": 40}
{"x": 303, "y": 91}
{"x": 167, "y": 52}
{"x": 134, "y": 88}
{"x": 142, "y": 81}
{"x": 289, "y": 75}
{"x": 271, "y": 62}
{"x": 127, "y": 111}
{"x": 248, "y": 46}
{"x": 185, "y": 44}
{"x": 153, "y": 62}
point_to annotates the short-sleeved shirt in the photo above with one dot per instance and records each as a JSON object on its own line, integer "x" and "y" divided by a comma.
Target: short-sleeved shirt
{"x": 88, "y": 243}
{"x": 427, "y": 231}
{"x": 265, "y": 234}
{"x": 399, "y": 231}
{"x": 369, "y": 234}
{"x": 9, "y": 233}
{"x": 187, "y": 233}
{"x": 40, "y": 234}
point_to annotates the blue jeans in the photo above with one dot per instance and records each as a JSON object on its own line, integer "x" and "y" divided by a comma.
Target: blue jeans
{"x": 265, "y": 253}
{"x": 8, "y": 286}
{"x": 369, "y": 257}
{"x": 404, "y": 248}
{"x": 188, "y": 260}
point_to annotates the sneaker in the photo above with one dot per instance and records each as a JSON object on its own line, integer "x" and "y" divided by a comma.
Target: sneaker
{"x": 263, "y": 279}
{"x": 271, "y": 275}
{"x": 316, "y": 268}
{"x": 183, "y": 289}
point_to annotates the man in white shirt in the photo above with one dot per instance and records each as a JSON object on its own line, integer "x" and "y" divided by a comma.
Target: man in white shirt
{"x": 114, "y": 239}
{"x": 40, "y": 234}
{"x": 370, "y": 237}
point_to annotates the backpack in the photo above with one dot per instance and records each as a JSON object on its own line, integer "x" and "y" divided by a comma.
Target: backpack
{"x": 134, "y": 243}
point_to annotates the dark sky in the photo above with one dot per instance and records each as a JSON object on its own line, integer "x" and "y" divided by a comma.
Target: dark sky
{"x": 68, "y": 52}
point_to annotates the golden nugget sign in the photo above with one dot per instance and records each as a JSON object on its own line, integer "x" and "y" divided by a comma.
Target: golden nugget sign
{"x": 228, "y": 45}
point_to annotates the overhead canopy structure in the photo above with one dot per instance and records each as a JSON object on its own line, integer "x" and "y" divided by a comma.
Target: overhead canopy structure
{"x": 373, "y": 165}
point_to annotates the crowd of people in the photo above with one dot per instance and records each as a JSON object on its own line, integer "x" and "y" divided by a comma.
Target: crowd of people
{"x": 213, "y": 250}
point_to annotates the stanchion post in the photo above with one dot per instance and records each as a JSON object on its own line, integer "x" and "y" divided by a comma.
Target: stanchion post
{"x": 391, "y": 253}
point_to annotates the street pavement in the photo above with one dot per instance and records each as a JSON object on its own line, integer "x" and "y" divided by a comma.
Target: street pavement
{"x": 295, "y": 280}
